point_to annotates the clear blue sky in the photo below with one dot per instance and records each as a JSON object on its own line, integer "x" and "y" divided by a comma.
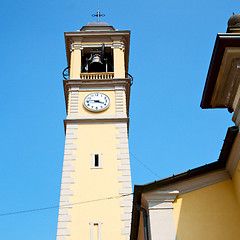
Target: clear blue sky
{"x": 171, "y": 47}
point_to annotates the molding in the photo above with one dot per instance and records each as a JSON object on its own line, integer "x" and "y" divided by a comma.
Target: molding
{"x": 64, "y": 217}
{"x": 228, "y": 79}
{"x": 196, "y": 183}
{"x": 93, "y": 116}
{"x": 160, "y": 199}
{"x": 236, "y": 115}
{"x": 94, "y": 34}
{"x": 81, "y": 46}
{"x": 96, "y": 120}
{"x": 80, "y": 83}
{"x": 125, "y": 178}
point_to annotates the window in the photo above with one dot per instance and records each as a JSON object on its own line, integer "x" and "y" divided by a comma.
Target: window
{"x": 96, "y": 160}
{"x": 95, "y": 230}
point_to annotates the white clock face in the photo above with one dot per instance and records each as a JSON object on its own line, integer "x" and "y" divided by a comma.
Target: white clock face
{"x": 96, "y": 102}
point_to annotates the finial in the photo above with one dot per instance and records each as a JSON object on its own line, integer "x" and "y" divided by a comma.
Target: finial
{"x": 98, "y": 15}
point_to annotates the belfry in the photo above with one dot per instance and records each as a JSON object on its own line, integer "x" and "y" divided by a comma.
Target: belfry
{"x": 96, "y": 200}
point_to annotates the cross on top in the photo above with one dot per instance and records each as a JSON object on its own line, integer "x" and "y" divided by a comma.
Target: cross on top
{"x": 98, "y": 15}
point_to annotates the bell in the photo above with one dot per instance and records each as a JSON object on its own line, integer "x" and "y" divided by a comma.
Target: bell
{"x": 96, "y": 59}
{"x": 96, "y": 64}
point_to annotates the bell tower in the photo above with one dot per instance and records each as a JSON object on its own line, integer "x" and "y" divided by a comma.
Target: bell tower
{"x": 96, "y": 200}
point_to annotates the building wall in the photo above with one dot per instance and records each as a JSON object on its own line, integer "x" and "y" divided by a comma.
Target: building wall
{"x": 91, "y": 184}
{"x": 209, "y": 213}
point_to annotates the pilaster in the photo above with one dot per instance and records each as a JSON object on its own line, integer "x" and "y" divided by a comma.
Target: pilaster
{"x": 160, "y": 210}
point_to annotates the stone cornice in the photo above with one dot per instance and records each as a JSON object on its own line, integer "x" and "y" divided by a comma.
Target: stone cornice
{"x": 96, "y": 120}
{"x": 223, "y": 41}
{"x": 95, "y": 34}
{"x": 228, "y": 79}
{"x": 160, "y": 199}
{"x": 94, "y": 82}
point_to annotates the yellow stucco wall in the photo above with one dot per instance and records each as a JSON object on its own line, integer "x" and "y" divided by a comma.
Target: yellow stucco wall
{"x": 75, "y": 64}
{"x": 208, "y": 213}
{"x": 236, "y": 182}
{"x": 236, "y": 175}
{"x": 118, "y": 61}
{"x": 93, "y": 184}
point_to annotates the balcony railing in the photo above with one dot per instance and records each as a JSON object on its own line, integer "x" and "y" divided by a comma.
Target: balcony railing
{"x": 96, "y": 76}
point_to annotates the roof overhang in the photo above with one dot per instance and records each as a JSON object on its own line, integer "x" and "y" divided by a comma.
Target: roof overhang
{"x": 223, "y": 75}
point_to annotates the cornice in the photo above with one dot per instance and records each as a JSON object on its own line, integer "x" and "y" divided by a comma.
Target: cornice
{"x": 94, "y": 82}
{"x": 125, "y": 33}
{"x": 223, "y": 41}
{"x": 160, "y": 199}
{"x": 97, "y": 120}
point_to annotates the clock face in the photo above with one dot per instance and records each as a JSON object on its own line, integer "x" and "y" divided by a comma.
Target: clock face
{"x": 96, "y": 102}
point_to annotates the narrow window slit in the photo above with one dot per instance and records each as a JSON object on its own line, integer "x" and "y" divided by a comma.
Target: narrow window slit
{"x": 96, "y": 160}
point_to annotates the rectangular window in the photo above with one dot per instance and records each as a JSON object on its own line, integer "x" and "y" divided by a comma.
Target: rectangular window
{"x": 96, "y": 160}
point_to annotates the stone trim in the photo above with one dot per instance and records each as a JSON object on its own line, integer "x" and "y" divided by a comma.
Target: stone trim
{"x": 125, "y": 178}
{"x": 236, "y": 115}
{"x": 64, "y": 217}
{"x": 119, "y": 103}
{"x": 74, "y": 103}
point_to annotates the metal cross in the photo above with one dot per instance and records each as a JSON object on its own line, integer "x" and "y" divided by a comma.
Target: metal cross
{"x": 98, "y": 15}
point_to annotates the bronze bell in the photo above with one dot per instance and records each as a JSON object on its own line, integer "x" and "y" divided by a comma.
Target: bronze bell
{"x": 96, "y": 59}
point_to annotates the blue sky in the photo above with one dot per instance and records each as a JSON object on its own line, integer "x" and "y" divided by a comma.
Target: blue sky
{"x": 171, "y": 47}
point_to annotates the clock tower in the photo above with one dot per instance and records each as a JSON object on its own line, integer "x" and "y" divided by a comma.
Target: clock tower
{"x": 96, "y": 200}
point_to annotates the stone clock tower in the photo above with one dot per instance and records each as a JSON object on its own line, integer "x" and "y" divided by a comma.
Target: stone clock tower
{"x": 95, "y": 201}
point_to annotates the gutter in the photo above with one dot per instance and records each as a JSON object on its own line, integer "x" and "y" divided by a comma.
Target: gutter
{"x": 145, "y": 221}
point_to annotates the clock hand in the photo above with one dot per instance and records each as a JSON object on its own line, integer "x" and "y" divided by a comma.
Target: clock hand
{"x": 95, "y": 101}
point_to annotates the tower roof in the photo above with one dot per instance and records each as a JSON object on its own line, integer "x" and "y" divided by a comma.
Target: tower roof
{"x": 234, "y": 21}
{"x": 97, "y": 26}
